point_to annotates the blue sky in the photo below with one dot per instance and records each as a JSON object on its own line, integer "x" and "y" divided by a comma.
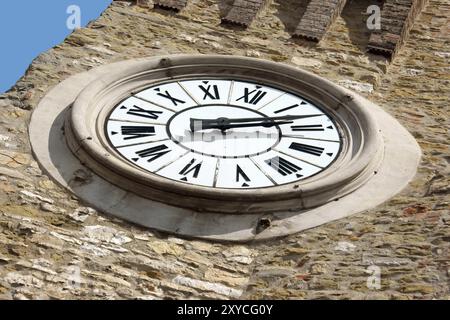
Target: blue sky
{"x": 29, "y": 27}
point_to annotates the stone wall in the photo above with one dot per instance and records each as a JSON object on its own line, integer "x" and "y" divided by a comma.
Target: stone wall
{"x": 53, "y": 246}
{"x": 318, "y": 17}
{"x": 243, "y": 12}
{"x": 397, "y": 19}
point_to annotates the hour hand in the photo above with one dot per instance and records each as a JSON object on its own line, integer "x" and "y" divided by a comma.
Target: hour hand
{"x": 226, "y": 123}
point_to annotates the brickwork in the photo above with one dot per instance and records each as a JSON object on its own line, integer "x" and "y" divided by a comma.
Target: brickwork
{"x": 397, "y": 18}
{"x": 243, "y": 12}
{"x": 176, "y": 5}
{"x": 319, "y": 16}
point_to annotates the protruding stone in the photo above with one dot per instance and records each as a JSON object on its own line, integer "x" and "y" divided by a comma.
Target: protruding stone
{"x": 243, "y": 12}
{"x": 357, "y": 86}
{"x": 397, "y": 19}
{"x": 318, "y": 17}
{"x": 306, "y": 62}
{"x": 175, "y": 5}
{"x": 98, "y": 234}
{"x": 208, "y": 286}
{"x": 344, "y": 246}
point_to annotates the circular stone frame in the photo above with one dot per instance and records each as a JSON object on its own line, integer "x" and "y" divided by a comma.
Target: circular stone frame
{"x": 378, "y": 158}
{"x": 355, "y": 165}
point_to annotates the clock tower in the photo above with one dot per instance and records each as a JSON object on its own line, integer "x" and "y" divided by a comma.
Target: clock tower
{"x": 210, "y": 150}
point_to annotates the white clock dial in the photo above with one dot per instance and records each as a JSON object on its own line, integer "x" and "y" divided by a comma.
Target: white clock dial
{"x": 235, "y": 142}
{"x": 223, "y": 133}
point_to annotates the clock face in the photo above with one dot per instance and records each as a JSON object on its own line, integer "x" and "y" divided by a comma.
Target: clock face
{"x": 223, "y": 133}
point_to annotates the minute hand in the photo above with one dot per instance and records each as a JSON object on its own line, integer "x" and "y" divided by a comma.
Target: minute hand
{"x": 226, "y": 123}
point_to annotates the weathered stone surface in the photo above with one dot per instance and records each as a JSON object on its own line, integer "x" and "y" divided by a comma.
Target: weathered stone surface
{"x": 208, "y": 286}
{"x": 357, "y": 86}
{"x": 306, "y": 62}
{"x": 397, "y": 18}
{"x": 318, "y": 17}
{"x": 97, "y": 257}
{"x": 176, "y": 5}
{"x": 242, "y": 12}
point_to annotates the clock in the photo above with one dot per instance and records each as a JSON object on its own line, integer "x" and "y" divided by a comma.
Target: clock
{"x": 219, "y": 147}
{"x": 217, "y": 134}
{"x": 223, "y": 133}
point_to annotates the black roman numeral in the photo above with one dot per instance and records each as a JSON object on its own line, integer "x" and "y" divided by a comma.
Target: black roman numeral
{"x": 134, "y": 132}
{"x": 167, "y": 95}
{"x": 240, "y": 173}
{"x": 141, "y": 112}
{"x": 316, "y": 151}
{"x": 190, "y": 167}
{"x": 211, "y": 92}
{"x": 290, "y": 107}
{"x": 254, "y": 96}
{"x": 309, "y": 127}
{"x": 152, "y": 153}
{"x": 283, "y": 166}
